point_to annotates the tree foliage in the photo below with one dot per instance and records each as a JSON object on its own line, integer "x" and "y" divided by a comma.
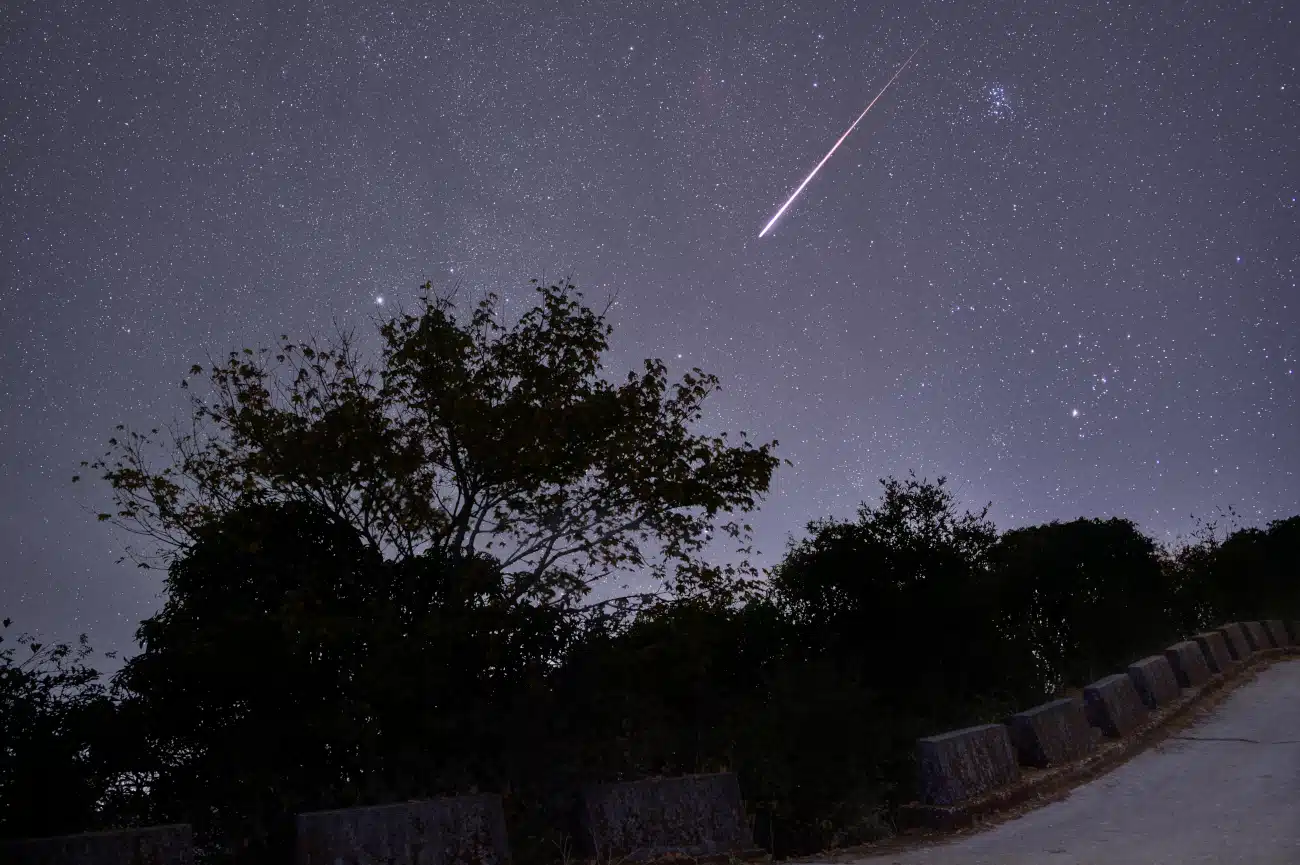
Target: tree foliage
{"x": 293, "y": 668}
{"x": 908, "y": 575}
{"x": 56, "y": 729}
{"x": 468, "y": 435}
{"x": 1251, "y": 573}
{"x": 1088, "y": 595}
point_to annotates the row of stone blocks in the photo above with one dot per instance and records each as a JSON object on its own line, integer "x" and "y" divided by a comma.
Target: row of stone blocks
{"x": 958, "y": 766}
{"x": 695, "y": 816}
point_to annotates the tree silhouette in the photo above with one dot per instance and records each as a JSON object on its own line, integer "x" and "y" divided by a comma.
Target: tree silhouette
{"x": 57, "y": 725}
{"x": 468, "y": 436}
{"x": 1090, "y": 595}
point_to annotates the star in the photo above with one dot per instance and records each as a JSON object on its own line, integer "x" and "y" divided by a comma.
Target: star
{"x": 1010, "y": 196}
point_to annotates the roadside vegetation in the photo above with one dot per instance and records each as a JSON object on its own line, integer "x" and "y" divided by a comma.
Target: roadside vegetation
{"x": 388, "y": 578}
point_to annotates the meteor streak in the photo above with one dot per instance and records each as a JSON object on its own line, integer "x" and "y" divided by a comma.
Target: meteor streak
{"x": 813, "y": 174}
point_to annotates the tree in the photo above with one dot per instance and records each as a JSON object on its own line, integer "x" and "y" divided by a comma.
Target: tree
{"x": 469, "y": 436}
{"x": 1250, "y": 574}
{"x": 1091, "y": 595}
{"x": 56, "y": 725}
{"x": 373, "y": 572}
{"x": 908, "y": 576}
{"x": 293, "y": 669}
{"x": 246, "y": 683}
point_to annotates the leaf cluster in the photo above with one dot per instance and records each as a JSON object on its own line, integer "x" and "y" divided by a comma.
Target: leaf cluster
{"x": 467, "y": 435}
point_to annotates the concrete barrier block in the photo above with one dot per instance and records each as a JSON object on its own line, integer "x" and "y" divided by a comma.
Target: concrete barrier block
{"x": 1188, "y": 663}
{"x": 1114, "y": 705}
{"x": 1051, "y": 734}
{"x": 464, "y": 830}
{"x": 1256, "y": 638}
{"x": 963, "y": 764}
{"x": 1234, "y": 635}
{"x": 694, "y": 816}
{"x": 153, "y": 845}
{"x": 1277, "y": 633}
{"x": 1155, "y": 681}
{"x": 1215, "y": 649}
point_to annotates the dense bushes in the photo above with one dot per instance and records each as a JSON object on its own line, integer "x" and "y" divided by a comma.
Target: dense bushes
{"x": 292, "y": 670}
{"x": 1253, "y": 573}
{"x": 1087, "y": 596}
{"x": 57, "y": 726}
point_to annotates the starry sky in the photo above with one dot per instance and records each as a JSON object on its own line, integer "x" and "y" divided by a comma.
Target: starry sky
{"x": 1058, "y": 262}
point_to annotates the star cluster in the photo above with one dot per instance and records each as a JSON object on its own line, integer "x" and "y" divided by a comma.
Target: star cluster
{"x": 1057, "y": 263}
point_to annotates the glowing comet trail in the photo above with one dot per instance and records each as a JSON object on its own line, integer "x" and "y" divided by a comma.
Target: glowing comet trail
{"x": 831, "y": 153}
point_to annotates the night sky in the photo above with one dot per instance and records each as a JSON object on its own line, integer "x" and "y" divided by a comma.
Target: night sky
{"x": 1058, "y": 262}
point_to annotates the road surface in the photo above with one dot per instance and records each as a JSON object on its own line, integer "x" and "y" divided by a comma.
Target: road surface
{"x": 1225, "y": 790}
